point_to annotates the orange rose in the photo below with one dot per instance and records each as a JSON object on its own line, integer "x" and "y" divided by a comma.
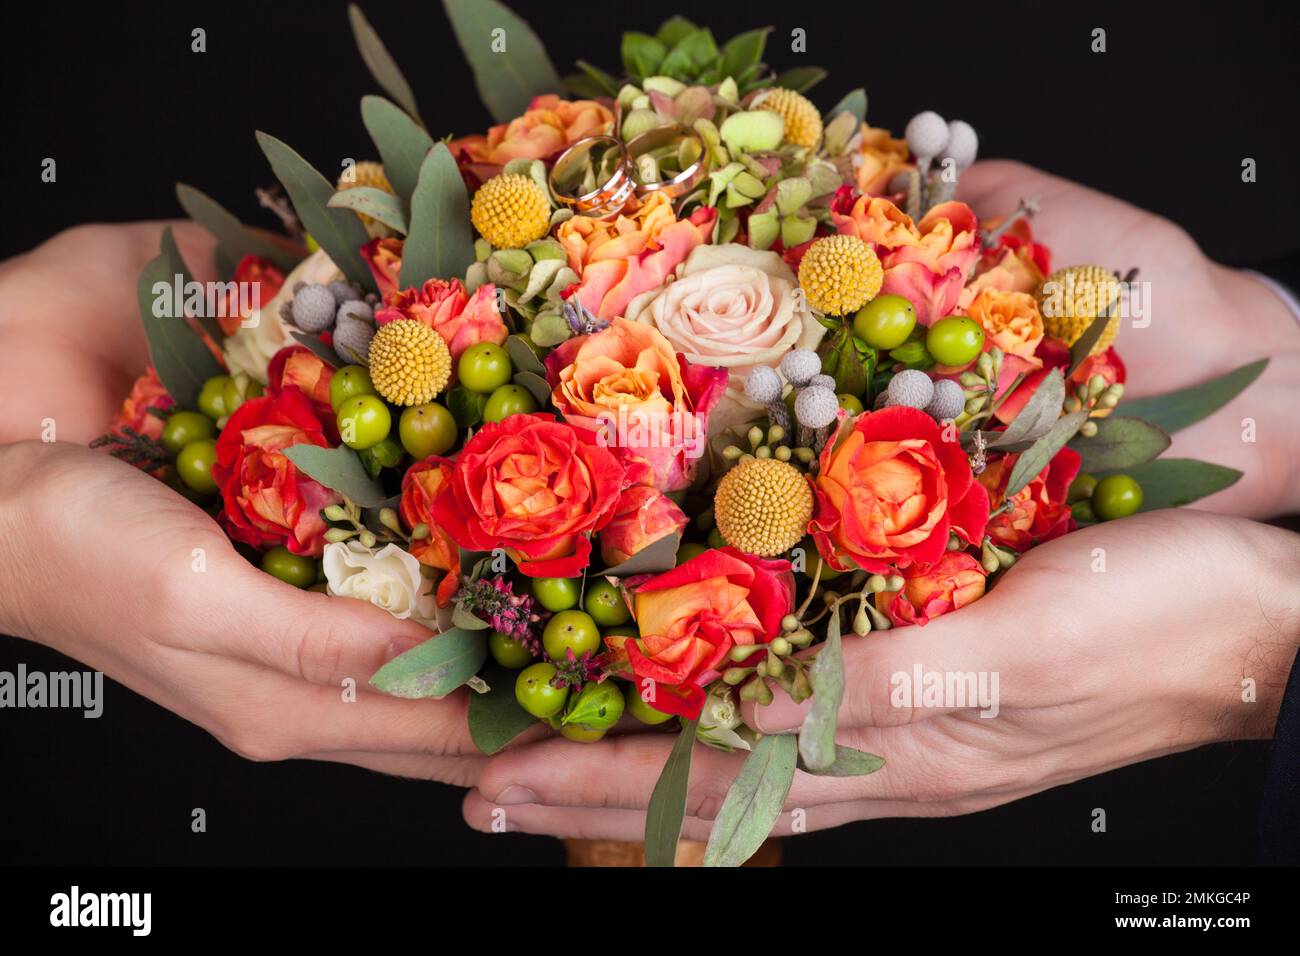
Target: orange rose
{"x": 953, "y": 581}
{"x": 890, "y": 491}
{"x": 548, "y": 126}
{"x": 147, "y": 392}
{"x": 644, "y": 514}
{"x": 420, "y": 487}
{"x": 619, "y": 259}
{"x": 883, "y": 158}
{"x": 461, "y": 319}
{"x": 874, "y": 219}
{"x": 298, "y": 366}
{"x": 1010, "y": 320}
{"x": 384, "y": 257}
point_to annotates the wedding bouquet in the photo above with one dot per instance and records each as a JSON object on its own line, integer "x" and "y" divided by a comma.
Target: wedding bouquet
{"x": 648, "y": 397}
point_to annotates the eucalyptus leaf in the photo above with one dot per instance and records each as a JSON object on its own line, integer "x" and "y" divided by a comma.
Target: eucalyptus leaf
{"x": 1174, "y": 411}
{"x": 236, "y": 240}
{"x": 181, "y": 359}
{"x": 536, "y": 386}
{"x": 440, "y": 244}
{"x": 659, "y": 555}
{"x": 1039, "y": 414}
{"x": 1041, "y": 452}
{"x": 374, "y": 203}
{"x": 1174, "y": 482}
{"x": 817, "y": 735}
{"x": 847, "y": 763}
{"x": 495, "y": 718}
{"x": 507, "y": 80}
{"x": 380, "y": 62}
{"x": 1084, "y": 343}
{"x": 466, "y": 407}
{"x": 463, "y": 618}
{"x": 337, "y": 231}
{"x": 176, "y": 263}
{"x": 338, "y": 469}
{"x": 667, "y": 807}
{"x": 1120, "y": 442}
{"x": 607, "y": 84}
{"x": 801, "y": 79}
{"x": 854, "y": 102}
{"x": 402, "y": 143}
{"x": 435, "y": 668}
{"x": 753, "y": 803}
{"x": 318, "y": 348}
{"x": 523, "y": 357}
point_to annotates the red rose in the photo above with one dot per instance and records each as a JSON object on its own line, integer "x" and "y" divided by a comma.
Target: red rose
{"x": 384, "y": 257}
{"x": 460, "y": 318}
{"x": 421, "y": 485}
{"x": 1038, "y": 511}
{"x": 644, "y": 515}
{"x": 928, "y": 591}
{"x": 267, "y": 502}
{"x": 534, "y": 486}
{"x": 296, "y": 366}
{"x": 147, "y": 392}
{"x": 692, "y": 616}
{"x": 253, "y": 271}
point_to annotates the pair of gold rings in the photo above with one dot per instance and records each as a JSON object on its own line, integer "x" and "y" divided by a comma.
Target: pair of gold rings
{"x": 618, "y": 186}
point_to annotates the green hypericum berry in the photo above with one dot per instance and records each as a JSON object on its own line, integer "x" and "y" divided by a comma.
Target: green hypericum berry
{"x": 955, "y": 340}
{"x": 639, "y": 709}
{"x": 212, "y": 397}
{"x": 508, "y": 652}
{"x": 689, "y": 550}
{"x": 557, "y": 594}
{"x": 535, "y": 694}
{"x": 296, "y": 569}
{"x": 427, "y": 430}
{"x": 508, "y": 400}
{"x": 484, "y": 367}
{"x": 580, "y": 734}
{"x": 185, "y": 427}
{"x": 239, "y": 390}
{"x": 850, "y": 403}
{"x": 604, "y": 602}
{"x": 194, "y": 465}
{"x": 348, "y": 382}
{"x": 597, "y": 707}
{"x": 363, "y": 421}
{"x": 570, "y": 631}
{"x": 885, "y": 322}
{"x": 1116, "y": 496}
{"x": 1081, "y": 488}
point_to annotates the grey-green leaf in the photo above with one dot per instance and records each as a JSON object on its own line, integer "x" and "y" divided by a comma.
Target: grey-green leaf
{"x": 658, "y": 556}
{"x": 235, "y": 239}
{"x": 848, "y": 763}
{"x": 536, "y": 386}
{"x": 440, "y": 244}
{"x": 667, "y": 807}
{"x": 523, "y": 356}
{"x": 402, "y": 143}
{"x": 495, "y": 718}
{"x": 506, "y": 80}
{"x": 753, "y": 803}
{"x": 801, "y": 78}
{"x": 1120, "y": 442}
{"x": 1041, "y": 452}
{"x": 380, "y": 62}
{"x": 1084, "y": 343}
{"x": 855, "y": 102}
{"x": 1039, "y": 414}
{"x": 1174, "y": 411}
{"x": 436, "y": 667}
{"x": 338, "y": 469}
{"x": 1174, "y": 482}
{"x": 817, "y": 735}
{"x": 178, "y": 354}
{"x": 337, "y": 231}
{"x": 318, "y": 348}
{"x": 374, "y": 203}
{"x": 176, "y": 264}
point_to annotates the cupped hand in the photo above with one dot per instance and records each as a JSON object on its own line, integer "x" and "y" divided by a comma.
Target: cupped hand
{"x": 1114, "y": 645}
{"x": 1204, "y": 319}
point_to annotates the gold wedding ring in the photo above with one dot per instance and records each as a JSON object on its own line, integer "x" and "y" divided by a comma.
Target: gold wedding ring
{"x": 614, "y": 189}
{"x": 686, "y": 180}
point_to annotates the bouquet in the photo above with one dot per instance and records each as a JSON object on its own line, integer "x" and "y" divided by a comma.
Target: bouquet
{"x": 649, "y": 398}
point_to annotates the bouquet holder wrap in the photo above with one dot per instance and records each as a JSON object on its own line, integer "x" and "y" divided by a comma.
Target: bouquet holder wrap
{"x": 618, "y": 853}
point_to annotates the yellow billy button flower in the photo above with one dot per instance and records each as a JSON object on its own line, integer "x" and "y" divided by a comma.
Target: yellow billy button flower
{"x": 1070, "y": 299}
{"x": 803, "y": 124}
{"x": 839, "y": 274}
{"x": 763, "y": 506}
{"x": 409, "y": 362}
{"x": 510, "y": 211}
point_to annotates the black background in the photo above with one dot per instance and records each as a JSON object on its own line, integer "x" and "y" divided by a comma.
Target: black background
{"x": 114, "y": 94}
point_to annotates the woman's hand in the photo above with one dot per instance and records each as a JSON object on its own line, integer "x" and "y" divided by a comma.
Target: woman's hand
{"x": 1114, "y": 645}
{"x": 1204, "y": 320}
{"x": 108, "y": 565}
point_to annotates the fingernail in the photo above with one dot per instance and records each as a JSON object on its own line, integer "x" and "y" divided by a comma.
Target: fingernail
{"x": 399, "y": 646}
{"x": 514, "y": 795}
{"x": 780, "y": 715}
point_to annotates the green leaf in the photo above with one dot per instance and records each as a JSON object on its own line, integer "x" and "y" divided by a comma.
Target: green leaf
{"x": 402, "y": 143}
{"x": 176, "y": 264}
{"x": 507, "y": 80}
{"x": 607, "y": 83}
{"x": 338, "y": 469}
{"x": 1120, "y": 442}
{"x": 318, "y": 348}
{"x": 1084, "y": 343}
{"x": 1035, "y": 458}
{"x": 841, "y": 360}
{"x": 659, "y": 555}
{"x": 235, "y": 239}
{"x": 817, "y": 736}
{"x": 536, "y": 386}
{"x": 467, "y": 620}
{"x": 182, "y": 360}
{"x": 523, "y": 357}
{"x": 495, "y": 718}
{"x": 847, "y": 763}
{"x": 374, "y": 203}
{"x": 440, "y": 244}
{"x": 667, "y": 808}
{"x": 673, "y": 30}
{"x": 753, "y": 802}
{"x": 743, "y": 51}
{"x": 380, "y": 62}
{"x": 1174, "y": 482}
{"x": 642, "y": 54}
{"x": 855, "y": 102}
{"x": 466, "y": 406}
{"x": 1174, "y": 411}
{"x": 436, "y": 667}
{"x": 801, "y": 78}
{"x": 337, "y": 231}
{"x": 1039, "y": 414}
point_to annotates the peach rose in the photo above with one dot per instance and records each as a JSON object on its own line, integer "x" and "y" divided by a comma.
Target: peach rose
{"x": 297, "y": 366}
{"x": 548, "y": 126}
{"x": 461, "y": 319}
{"x": 146, "y": 393}
{"x": 621, "y": 258}
{"x": 873, "y": 219}
{"x": 1014, "y": 270}
{"x": 882, "y": 158}
{"x": 1011, "y": 321}
{"x": 384, "y": 257}
{"x": 929, "y": 591}
{"x": 628, "y": 385}
{"x": 421, "y": 485}
{"x": 643, "y": 515}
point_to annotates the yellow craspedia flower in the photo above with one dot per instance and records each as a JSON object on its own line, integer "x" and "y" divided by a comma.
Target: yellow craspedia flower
{"x": 365, "y": 173}
{"x": 803, "y": 124}
{"x": 409, "y": 362}
{"x": 1070, "y": 299}
{"x": 510, "y": 211}
{"x": 763, "y": 506}
{"x": 840, "y": 274}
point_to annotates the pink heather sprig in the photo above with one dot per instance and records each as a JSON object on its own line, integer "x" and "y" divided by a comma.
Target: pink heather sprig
{"x": 576, "y": 671}
{"x": 494, "y": 601}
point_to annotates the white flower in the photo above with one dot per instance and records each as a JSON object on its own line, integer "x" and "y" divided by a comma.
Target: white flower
{"x": 718, "y": 722}
{"x": 252, "y": 346}
{"x": 388, "y": 578}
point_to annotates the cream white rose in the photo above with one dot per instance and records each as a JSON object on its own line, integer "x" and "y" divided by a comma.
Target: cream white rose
{"x": 250, "y": 349}
{"x": 388, "y": 578}
{"x": 733, "y": 307}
